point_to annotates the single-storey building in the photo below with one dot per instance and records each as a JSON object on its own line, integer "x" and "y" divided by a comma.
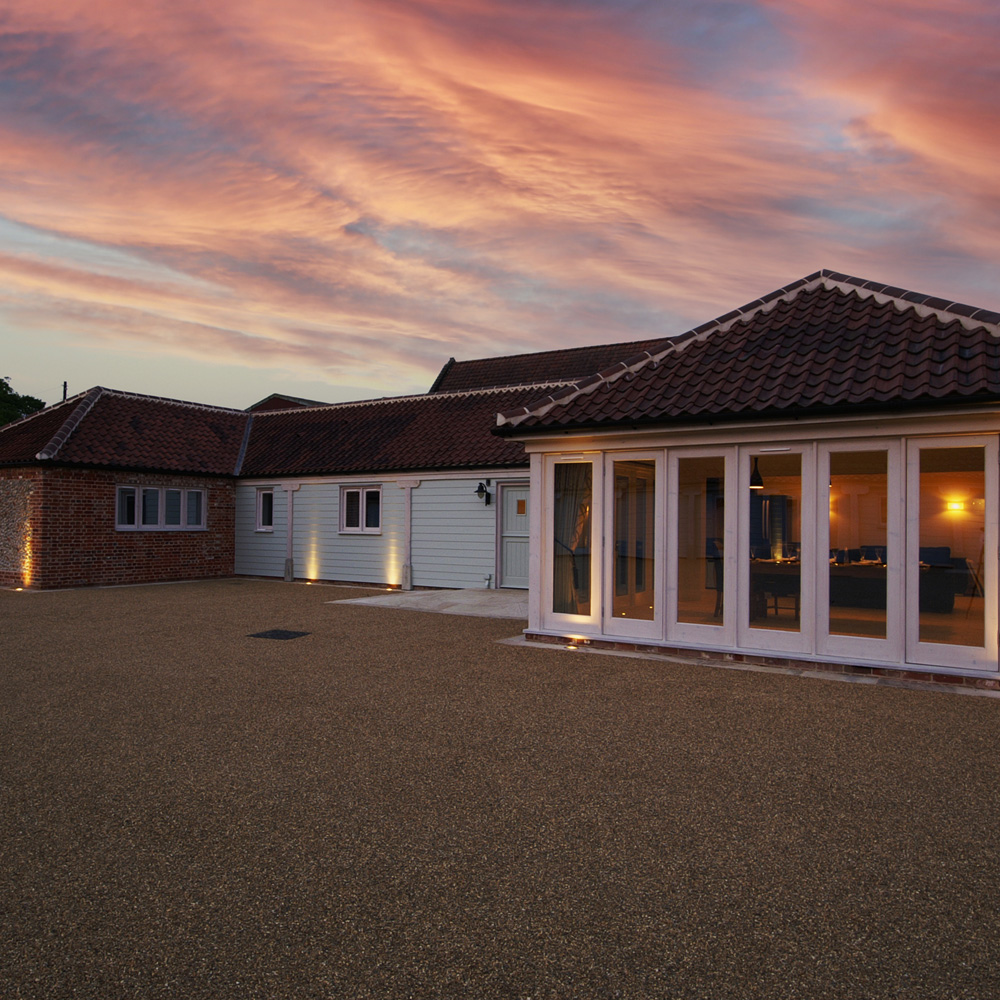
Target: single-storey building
{"x": 811, "y": 477}
{"x": 113, "y": 487}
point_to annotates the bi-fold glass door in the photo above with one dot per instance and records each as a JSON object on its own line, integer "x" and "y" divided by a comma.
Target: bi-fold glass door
{"x": 571, "y": 554}
{"x": 951, "y": 546}
{"x": 633, "y": 596}
{"x": 701, "y": 518}
{"x": 777, "y": 554}
{"x": 859, "y": 594}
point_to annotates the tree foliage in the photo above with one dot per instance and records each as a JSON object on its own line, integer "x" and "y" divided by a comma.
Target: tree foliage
{"x": 14, "y": 405}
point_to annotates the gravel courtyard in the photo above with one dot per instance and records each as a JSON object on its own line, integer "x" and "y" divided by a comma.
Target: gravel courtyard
{"x": 396, "y": 805}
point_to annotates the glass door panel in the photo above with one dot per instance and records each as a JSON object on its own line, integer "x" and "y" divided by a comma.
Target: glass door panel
{"x": 859, "y": 586}
{"x": 573, "y": 498}
{"x": 777, "y": 550}
{"x": 858, "y": 545}
{"x": 700, "y": 541}
{"x": 775, "y": 542}
{"x": 632, "y": 532}
{"x": 634, "y": 566}
{"x": 951, "y": 583}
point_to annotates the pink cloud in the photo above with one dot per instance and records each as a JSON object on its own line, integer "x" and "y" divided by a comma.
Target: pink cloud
{"x": 408, "y": 180}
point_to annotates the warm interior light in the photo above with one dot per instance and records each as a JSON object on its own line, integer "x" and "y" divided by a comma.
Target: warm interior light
{"x": 956, "y": 505}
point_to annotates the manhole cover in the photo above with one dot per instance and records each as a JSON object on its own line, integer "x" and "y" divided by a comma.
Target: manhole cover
{"x": 276, "y": 633}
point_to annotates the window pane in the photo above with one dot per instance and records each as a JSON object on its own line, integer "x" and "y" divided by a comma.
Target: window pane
{"x": 126, "y": 506}
{"x": 571, "y": 538}
{"x": 266, "y": 509}
{"x": 194, "y": 513}
{"x": 701, "y": 486}
{"x": 151, "y": 507}
{"x": 952, "y": 532}
{"x": 634, "y": 509}
{"x": 372, "y": 508}
{"x": 352, "y": 508}
{"x": 172, "y": 507}
{"x": 859, "y": 505}
{"x": 775, "y": 534}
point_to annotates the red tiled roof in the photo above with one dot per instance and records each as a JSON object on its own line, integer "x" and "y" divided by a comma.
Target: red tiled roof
{"x": 113, "y": 429}
{"x": 543, "y": 367}
{"x": 106, "y": 428}
{"x": 410, "y": 433}
{"x": 22, "y": 440}
{"x": 279, "y": 401}
{"x": 825, "y": 343}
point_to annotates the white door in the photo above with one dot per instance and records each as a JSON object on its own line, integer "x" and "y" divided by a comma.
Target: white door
{"x": 514, "y": 535}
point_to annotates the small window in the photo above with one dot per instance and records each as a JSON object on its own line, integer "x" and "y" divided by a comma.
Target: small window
{"x": 157, "y": 508}
{"x": 126, "y": 507}
{"x": 373, "y": 510}
{"x": 361, "y": 509}
{"x": 265, "y": 510}
{"x": 150, "y": 508}
{"x": 195, "y": 509}
{"x": 172, "y": 508}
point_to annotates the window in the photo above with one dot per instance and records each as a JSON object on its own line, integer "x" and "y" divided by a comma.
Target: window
{"x": 361, "y": 509}
{"x": 265, "y": 510}
{"x": 159, "y": 508}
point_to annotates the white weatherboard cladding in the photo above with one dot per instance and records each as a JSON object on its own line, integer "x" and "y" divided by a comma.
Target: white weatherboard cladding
{"x": 323, "y": 553}
{"x": 454, "y": 534}
{"x": 260, "y": 553}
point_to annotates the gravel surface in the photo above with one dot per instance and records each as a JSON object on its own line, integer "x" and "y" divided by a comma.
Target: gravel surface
{"x": 397, "y": 806}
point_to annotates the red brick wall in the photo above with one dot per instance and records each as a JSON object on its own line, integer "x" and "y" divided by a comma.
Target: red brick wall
{"x": 74, "y": 541}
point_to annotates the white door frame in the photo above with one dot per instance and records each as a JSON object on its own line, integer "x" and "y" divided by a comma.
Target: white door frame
{"x": 863, "y": 647}
{"x": 502, "y": 487}
{"x": 942, "y": 654}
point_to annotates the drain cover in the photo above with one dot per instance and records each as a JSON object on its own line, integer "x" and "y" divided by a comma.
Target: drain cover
{"x": 276, "y": 633}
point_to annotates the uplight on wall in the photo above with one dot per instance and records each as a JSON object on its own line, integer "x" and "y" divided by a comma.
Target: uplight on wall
{"x": 955, "y": 505}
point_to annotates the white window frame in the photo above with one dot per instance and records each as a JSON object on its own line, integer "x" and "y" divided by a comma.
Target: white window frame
{"x": 137, "y": 491}
{"x": 261, "y": 525}
{"x": 361, "y": 528}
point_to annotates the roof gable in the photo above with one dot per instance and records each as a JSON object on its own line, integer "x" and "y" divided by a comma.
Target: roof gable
{"x": 107, "y": 428}
{"x": 825, "y": 341}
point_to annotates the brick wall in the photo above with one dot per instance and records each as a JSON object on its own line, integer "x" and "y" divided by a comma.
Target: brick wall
{"x": 74, "y": 542}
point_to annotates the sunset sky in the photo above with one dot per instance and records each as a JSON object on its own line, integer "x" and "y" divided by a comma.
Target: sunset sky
{"x": 327, "y": 198}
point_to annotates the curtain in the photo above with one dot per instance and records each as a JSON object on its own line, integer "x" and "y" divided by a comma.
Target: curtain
{"x": 571, "y": 538}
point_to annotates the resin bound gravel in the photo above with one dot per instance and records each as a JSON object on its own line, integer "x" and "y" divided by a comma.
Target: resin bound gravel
{"x": 397, "y": 806}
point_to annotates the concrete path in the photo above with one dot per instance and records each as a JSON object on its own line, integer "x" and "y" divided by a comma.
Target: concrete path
{"x": 479, "y": 602}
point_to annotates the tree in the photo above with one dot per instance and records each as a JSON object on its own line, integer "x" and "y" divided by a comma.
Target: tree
{"x": 14, "y": 405}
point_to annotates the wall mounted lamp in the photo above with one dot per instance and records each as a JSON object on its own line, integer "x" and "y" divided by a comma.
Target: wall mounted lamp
{"x": 482, "y": 491}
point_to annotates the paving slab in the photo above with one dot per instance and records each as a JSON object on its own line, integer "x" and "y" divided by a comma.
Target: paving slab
{"x": 478, "y": 602}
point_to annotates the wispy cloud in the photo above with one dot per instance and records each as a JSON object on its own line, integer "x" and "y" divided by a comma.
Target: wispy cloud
{"x": 361, "y": 189}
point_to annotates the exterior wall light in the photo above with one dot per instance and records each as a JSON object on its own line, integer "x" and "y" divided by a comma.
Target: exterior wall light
{"x": 482, "y": 491}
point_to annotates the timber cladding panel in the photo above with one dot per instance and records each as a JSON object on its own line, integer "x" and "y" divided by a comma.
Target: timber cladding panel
{"x": 74, "y": 541}
{"x": 16, "y": 489}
